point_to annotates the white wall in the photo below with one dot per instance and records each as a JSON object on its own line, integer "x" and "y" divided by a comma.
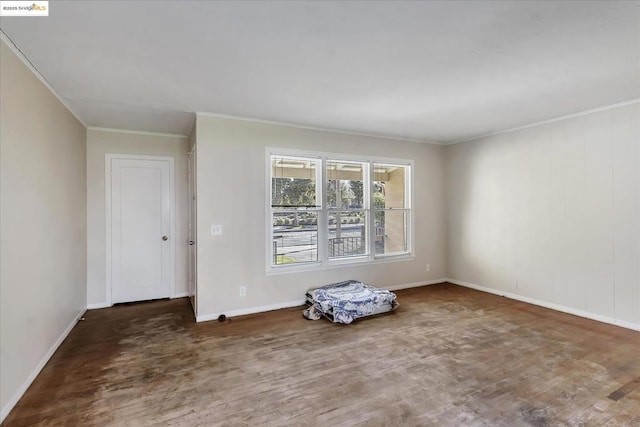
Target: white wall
{"x": 231, "y": 192}
{"x": 42, "y": 224}
{"x": 552, "y": 213}
{"x": 100, "y": 142}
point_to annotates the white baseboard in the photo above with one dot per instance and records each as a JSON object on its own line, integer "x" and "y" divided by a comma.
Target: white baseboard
{"x": 414, "y": 284}
{"x": 477, "y": 287}
{"x": 297, "y": 303}
{"x": 552, "y": 306}
{"x": 98, "y": 306}
{"x": 16, "y": 397}
{"x": 180, "y": 295}
{"x": 250, "y": 310}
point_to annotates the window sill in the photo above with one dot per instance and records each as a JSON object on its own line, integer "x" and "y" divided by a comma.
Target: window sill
{"x": 341, "y": 263}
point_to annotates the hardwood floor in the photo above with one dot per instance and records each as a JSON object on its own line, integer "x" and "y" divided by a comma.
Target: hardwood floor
{"x": 448, "y": 356}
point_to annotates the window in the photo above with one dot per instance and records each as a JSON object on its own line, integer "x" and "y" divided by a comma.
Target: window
{"x": 347, "y": 210}
{"x": 295, "y": 207}
{"x": 332, "y": 209}
{"x": 390, "y": 209}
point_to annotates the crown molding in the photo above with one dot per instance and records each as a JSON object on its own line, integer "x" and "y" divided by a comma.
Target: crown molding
{"x": 557, "y": 119}
{"x": 137, "y": 132}
{"x": 316, "y": 128}
{"x": 15, "y": 49}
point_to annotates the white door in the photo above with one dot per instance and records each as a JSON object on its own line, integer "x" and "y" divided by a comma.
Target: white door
{"x": 141, "y": 219}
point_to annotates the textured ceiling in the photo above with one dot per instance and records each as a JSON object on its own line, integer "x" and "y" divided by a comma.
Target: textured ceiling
{"x": 428, "y": 71}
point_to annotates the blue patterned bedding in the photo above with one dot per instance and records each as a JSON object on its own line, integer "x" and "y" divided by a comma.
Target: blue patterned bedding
{"x": 344, "y": 302}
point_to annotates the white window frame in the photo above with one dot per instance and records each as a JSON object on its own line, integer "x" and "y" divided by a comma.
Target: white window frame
{"x": 319, "y": 203}
{"x": 366, "y": 193}
{"x": 408, "y": 197}
{"x": 324, "y": 261}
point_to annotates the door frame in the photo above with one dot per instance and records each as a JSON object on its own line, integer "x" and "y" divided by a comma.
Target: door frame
{"x": 108, "y": 157}
{"x": 192, "y": 254}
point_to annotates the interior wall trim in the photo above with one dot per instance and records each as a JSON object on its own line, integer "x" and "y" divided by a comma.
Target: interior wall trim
{"x": 250, "y": 310}
{"x": 298, "y": 303}
{"x": 550, "y": 305}
{"x": 316, "y": 128}
{"x": 23, "y": 388}
{"x": 555, "y": 119}
{"x": 15, "y": 49}
{"x": 137, "y": 132}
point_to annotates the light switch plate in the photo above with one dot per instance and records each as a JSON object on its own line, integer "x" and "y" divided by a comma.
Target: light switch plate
{"x": 216, "y": 230}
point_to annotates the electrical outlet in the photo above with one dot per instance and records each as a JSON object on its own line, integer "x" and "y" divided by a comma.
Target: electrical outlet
{"x": 216, "y": 230}
{"x": 243, "y": 291}
{"x": 427, "y": 268}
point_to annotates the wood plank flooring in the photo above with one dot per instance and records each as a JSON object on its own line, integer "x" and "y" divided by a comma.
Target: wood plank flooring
{"x": 449, "y": 356}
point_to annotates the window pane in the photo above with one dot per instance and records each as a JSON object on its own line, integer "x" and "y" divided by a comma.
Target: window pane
{"x": 345, "y": 184}
{"x": 391, "y": 232}
{"x": 389, "y": 186}
{"x": 295, "y": 237}
{"x": 347, "y": 234}
{"x": 293, "y": 182}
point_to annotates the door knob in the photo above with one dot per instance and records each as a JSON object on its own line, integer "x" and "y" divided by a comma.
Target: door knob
{"x": 165, "y": 238}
